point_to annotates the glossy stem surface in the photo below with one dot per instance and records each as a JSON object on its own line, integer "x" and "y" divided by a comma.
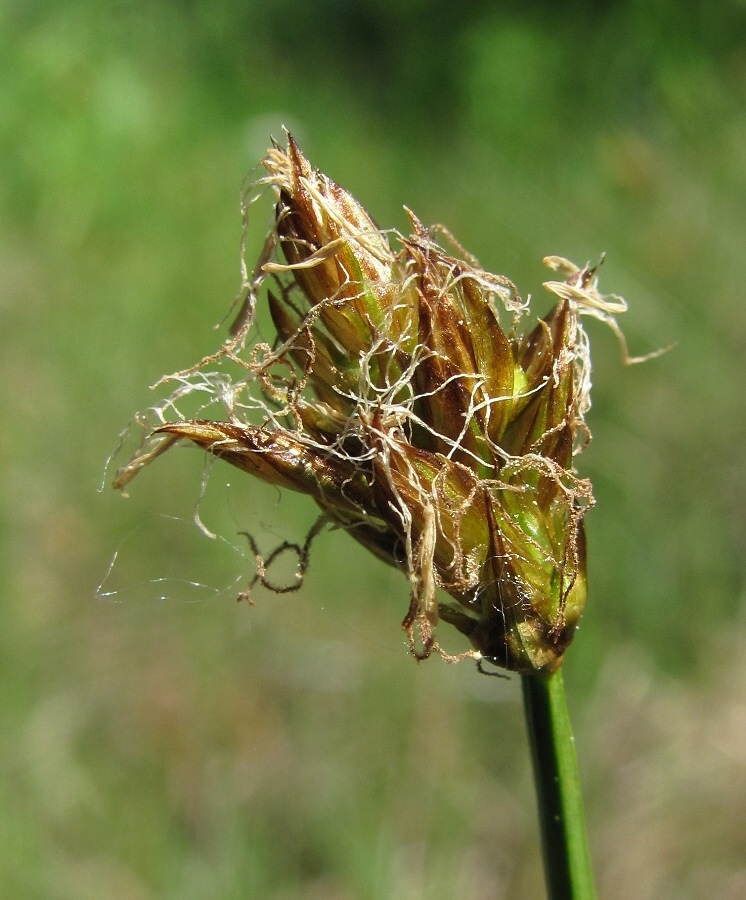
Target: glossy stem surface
{"x": 567, "y": 862}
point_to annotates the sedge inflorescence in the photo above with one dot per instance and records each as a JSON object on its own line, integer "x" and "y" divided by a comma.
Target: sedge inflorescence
{"x": 437, "y": 437}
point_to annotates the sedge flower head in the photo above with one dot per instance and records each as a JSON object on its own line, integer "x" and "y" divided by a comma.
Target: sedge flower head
{"x": 405, "y": 393}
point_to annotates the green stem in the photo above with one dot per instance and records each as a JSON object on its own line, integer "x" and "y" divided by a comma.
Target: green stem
{"x": 567, "y": 863}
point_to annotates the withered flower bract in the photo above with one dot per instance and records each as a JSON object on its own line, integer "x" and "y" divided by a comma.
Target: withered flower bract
{"x": 439, "y": 438}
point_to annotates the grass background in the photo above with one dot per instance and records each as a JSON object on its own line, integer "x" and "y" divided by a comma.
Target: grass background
{"x": 166, "y": 742}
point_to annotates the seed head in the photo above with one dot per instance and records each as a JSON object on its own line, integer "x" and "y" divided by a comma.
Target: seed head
{"x": 438, "y": 437}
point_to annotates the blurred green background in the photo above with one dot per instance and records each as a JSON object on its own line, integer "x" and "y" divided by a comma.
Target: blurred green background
{"x": 161, "y": 741}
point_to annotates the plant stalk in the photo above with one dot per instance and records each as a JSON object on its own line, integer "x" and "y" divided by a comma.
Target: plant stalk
{"x": 567, "y": 862}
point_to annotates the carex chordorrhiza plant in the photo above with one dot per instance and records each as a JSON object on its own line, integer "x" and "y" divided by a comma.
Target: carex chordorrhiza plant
{"x": 405, "y": 394}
